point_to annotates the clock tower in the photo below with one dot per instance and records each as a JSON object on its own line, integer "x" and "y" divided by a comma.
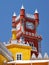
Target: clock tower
{"x": 24, "y": 28}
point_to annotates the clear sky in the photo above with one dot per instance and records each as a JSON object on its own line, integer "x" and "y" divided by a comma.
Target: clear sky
{"x": 8, "y": 7}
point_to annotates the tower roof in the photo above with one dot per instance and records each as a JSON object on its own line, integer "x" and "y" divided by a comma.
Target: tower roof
{"x": 33, "y": 56}
{"x": 36, "y": 11}
{"x": 39, "y": 56}
{"x": 22, "y": 7}
{"x": 14, "y": 14}
{"x": 45, "y": 55}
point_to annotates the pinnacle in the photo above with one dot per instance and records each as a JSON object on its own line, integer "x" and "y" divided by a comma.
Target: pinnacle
{"x": 22, "y": 7}
{"x": 14, "y": 14}
{"x": 36, "y": 11}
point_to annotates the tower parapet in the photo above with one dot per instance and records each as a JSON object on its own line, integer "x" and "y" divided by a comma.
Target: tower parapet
{"x": 25, "y": 26}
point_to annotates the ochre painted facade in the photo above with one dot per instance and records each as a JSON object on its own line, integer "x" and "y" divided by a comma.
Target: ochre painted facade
{"x": 24, "y": 50}
{"x": 15, "y": 49}
{"x": 2, "y": 59}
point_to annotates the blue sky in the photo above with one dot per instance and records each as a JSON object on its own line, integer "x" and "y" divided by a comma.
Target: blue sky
{"x": 8, "y": 7}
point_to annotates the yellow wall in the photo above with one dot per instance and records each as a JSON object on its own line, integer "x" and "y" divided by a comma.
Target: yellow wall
{"x": 14, "y": 35}
{"x": 24, "y": 50}
{"x": 2, "y": 59}
{"x": 14, "y": 48}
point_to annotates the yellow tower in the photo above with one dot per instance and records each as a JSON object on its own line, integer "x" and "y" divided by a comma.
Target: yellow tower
{"x": 13, "y": 34}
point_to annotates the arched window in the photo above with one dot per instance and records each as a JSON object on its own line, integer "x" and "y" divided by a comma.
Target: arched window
{"x": 19, "y": 56}
{"x": 31, "y": 44}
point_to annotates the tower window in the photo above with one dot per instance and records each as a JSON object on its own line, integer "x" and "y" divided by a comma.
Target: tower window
{"x": 29, "y": 33}
{"x": 31, "y": 44}
{"x": 19, "y": 56}
{"x": 26, "y": 33}
{"x": 32, "y": 34}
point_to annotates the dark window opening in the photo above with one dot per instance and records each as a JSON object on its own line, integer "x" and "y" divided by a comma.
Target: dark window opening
{"x": 19, "y": 57}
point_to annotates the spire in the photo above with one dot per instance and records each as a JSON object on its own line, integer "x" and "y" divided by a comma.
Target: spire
{"x": 33, "y": 56}
{"x": 14, "y": 14}
{"x": 45, "y": 55}
{"x": 22, "y": 7}
{"x": 36, "y": 11}
{"x": 39, "y": 56}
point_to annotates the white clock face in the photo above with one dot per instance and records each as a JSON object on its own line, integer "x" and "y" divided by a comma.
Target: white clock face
{"x": 29, "y": 25}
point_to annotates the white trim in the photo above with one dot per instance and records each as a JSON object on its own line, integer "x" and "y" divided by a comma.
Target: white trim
{"x": 32, "y": 34}
{"x": 27, "y": 33}
{"x": 28, "y": 61}
{"x": 17, "y": 18}
{"x": 13, "y": 41}
{"x": 34, "y": 49}
{"x": 18, "y": 26}
{"x": 30, "y": 16}
{"x": 13, "y": 29}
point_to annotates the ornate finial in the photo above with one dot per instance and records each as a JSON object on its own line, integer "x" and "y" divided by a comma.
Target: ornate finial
{"x": 36, "y": 11}
{"x": 22, "y": 7}
{"x": 14, "y": 14}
